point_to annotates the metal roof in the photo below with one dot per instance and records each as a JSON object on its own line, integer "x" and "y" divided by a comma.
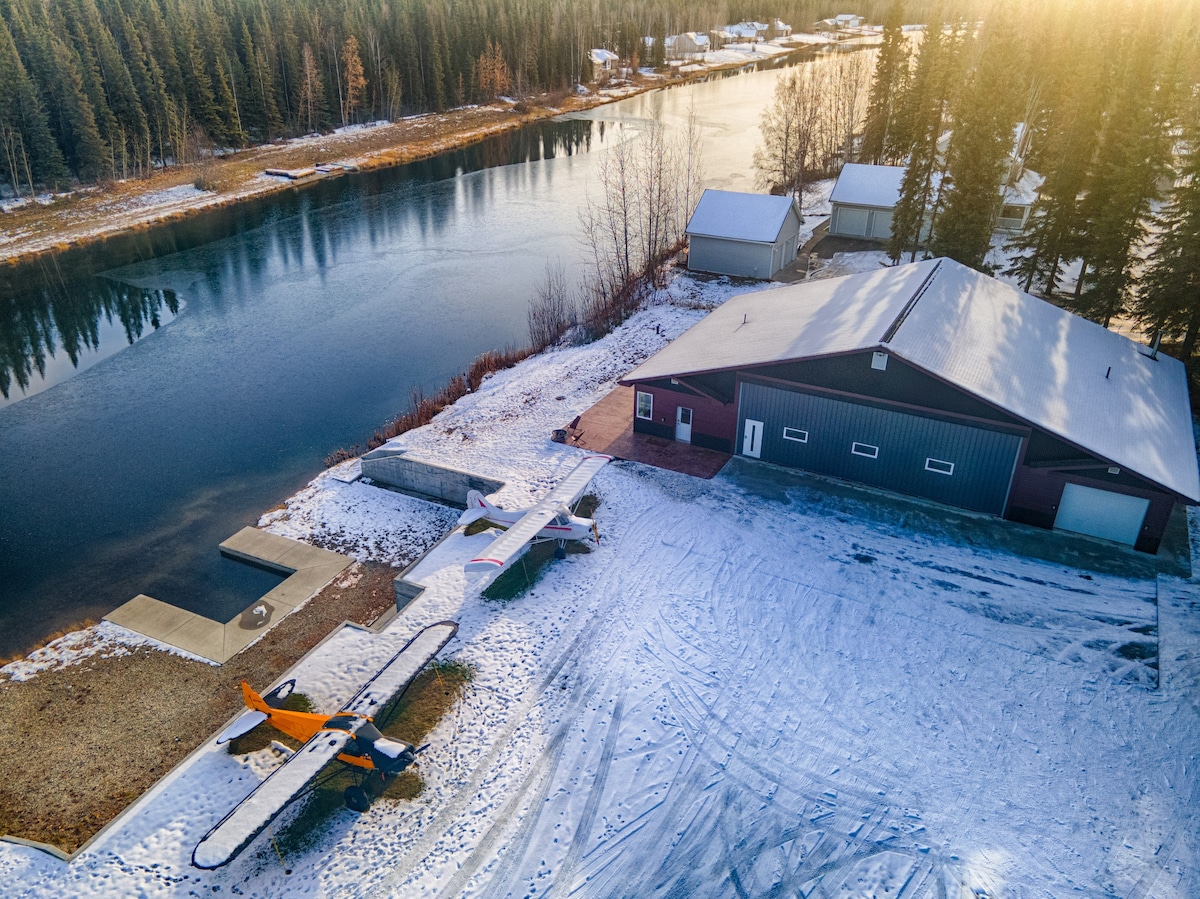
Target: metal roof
{"x": 868, "y": 185}
{"x": 737, "y": 216}
{"x": 1068, "y": 376}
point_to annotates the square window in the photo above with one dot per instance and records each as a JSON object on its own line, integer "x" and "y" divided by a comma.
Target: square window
{"x": 795, "y": 434}
{"x": 645, "y": 405}
{"x": 939, "y": 467}
{"x": 865, "y": 449}
{"x": 879, "y": 361}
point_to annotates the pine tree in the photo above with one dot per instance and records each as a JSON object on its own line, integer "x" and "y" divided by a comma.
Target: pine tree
{"x": 1168, "y": 297}
{"x": 925, "y": 109}
{"x": 37, "y": 158}
{"x": 891, "y": 73}
{"x": 87, "y": 155}
{"x": 980, "y": 147}
{"x": 1133, "y": 151}
{"x": 1066, "y": 130}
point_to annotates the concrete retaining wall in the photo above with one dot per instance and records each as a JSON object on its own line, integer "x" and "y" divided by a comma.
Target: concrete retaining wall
{"x": 392, "y": 468}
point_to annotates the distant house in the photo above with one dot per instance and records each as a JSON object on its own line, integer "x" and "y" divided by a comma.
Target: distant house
{"x": 845, "y": 22}
{"x": 935, "y": 381}
{"x": 752, "y": 235}
{"x": 747, "y": 32}
{"x": 719, "y": 37}
{"x": 782, "y": 29}
{"x": 1017, "y": 201}
{"x": 864, "y": 199}
{"x": 687, "y": 44}
{"x": 603, "y": 63}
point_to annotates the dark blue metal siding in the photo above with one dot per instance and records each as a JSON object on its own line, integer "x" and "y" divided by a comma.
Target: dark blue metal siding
{"x": 983, "y": 459}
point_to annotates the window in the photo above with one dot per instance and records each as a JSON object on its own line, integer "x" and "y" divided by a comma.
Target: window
{"x": 939, "y": 467}
{"x": 795, "y": 434}
{"x": 865, "y": 449}
{"x": 645, "y": 405}
{"x": 879, "y": 361}
{"x": 1012, "y": 212}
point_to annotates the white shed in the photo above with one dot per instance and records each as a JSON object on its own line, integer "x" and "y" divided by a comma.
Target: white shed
{"x": 863, "y": 200}
{"x": 753, "y": 235}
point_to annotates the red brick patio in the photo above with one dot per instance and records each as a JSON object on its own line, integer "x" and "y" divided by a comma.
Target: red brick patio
{"x": 607, "y": 427}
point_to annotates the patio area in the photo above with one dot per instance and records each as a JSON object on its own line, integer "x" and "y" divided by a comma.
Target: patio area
{"x": 607, "y": 427}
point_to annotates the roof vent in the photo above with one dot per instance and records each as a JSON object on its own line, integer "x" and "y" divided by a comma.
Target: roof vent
{"x": 879, "y": 361}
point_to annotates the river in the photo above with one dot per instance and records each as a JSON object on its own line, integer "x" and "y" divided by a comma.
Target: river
{"x": 167, "y": 388}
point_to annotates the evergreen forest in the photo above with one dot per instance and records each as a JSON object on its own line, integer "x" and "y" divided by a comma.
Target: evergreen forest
{"x": 93, "y": 90}
{"x": 1101, "y": 98}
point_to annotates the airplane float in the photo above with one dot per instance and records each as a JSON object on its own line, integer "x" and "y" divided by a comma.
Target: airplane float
{"x": 350, "y": 737}
{"x": 550, "y": 519}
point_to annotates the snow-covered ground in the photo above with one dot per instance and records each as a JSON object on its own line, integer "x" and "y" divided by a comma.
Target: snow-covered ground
{"x": 756, "y": 685}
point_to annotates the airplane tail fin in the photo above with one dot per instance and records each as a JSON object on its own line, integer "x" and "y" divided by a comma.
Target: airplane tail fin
{"x": 253, "y": 700}
{"x": 477, "y": 507}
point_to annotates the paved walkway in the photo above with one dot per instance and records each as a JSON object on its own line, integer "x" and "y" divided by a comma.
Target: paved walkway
{"x": 309, "y": 569}
{"x": 607, "y": 427}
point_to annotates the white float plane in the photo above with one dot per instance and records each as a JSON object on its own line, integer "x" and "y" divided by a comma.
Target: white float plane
{"x": 550, "y": 519}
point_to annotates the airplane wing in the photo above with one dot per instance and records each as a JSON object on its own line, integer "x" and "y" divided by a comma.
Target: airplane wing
{"x": 251, "y": 816}
{"x": 572, "y": 486}
{"x": 507, "y": 548}
{"x": 401, "y": 668}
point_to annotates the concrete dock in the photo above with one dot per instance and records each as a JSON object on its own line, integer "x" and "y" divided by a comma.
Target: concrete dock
{"x": 308, "y": 568}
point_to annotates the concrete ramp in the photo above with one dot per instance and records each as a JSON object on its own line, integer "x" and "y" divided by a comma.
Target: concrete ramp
{"x": 308, "y": 569}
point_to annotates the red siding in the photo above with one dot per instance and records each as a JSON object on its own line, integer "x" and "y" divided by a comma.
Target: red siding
{"x": 1036, "y": 493}
{"x": 713, "y": 423}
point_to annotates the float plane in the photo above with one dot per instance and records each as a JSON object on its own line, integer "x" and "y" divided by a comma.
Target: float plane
{"x": 350, "y": 737}
{"x": 549, "y": 519}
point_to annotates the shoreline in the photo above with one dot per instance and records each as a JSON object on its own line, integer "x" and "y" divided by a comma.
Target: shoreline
{"x": 95, "y": 214}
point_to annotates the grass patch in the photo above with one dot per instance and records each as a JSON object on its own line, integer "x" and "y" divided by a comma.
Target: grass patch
{"x": 262, "y": 736}
{"x": 430, "y": 696}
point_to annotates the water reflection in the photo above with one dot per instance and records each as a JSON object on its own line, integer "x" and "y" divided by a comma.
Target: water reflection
{"x": 49, "y": 332}
{"x": 68, "y": 320}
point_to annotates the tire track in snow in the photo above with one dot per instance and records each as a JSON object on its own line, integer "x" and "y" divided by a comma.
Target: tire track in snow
{"x": 596, "y": 793}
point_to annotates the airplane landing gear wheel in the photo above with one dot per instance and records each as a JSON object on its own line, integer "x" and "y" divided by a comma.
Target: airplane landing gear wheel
{"x": 560, "y": 553}
{"x": 357, "y": 799}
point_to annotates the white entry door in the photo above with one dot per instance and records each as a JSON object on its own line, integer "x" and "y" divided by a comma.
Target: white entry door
{"x": 683, "y": 424}
{"x": 752, "y": 438}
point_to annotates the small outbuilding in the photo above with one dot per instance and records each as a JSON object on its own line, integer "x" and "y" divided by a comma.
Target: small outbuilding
{"x": 751, "y": 235}
{"x": 864, "y": 199}
{"x": 936, "y": 381}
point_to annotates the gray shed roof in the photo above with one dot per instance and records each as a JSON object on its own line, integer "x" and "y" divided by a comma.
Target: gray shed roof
{"x": 868, "y": 185}
{"x": 1021, "y": 354}
{"x": 736, "y": 216}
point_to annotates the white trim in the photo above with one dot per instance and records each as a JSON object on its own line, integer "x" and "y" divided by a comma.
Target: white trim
{"x": 803, "y": 439}
{"x": 856, "y": 451}
{"x": 931, "y": 463}
{"x": 637, "y": 406}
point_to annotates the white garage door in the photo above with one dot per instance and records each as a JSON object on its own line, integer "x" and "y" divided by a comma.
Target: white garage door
{"x": 881, "y": 225}
{"x": 851, "y": 222}
{"x": 1101, "y": 513}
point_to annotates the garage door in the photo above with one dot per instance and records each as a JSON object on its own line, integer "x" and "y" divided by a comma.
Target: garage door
{"x": 957, "y": 464}
{"x": 881, "y": 225}
{"x": 1101, "y": 513}
{"x": 851, "y": 222}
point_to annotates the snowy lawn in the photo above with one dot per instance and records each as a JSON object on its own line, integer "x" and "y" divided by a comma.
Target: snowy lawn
{"x": 755, "y": 685}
